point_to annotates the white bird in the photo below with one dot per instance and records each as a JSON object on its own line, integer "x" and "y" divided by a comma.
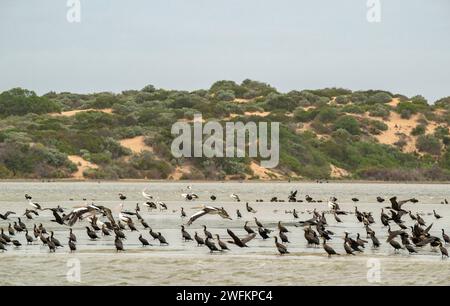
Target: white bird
{"x": 162, "y": 205}
{"x": 332, "y": 204}
{"x": 147, "y": 195}
{"x": 235, "y": 196}
{"x": 34, "y": 205}
{"x": 209, "y": 210}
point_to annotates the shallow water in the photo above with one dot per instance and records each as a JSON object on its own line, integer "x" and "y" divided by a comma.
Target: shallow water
{"x": 183, "y": 263}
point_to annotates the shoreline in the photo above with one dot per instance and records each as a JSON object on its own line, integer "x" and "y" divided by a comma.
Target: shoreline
{"x": 221, "y": 181}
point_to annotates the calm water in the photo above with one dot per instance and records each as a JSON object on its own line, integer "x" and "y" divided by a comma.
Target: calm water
{"x": 183, "y": 263}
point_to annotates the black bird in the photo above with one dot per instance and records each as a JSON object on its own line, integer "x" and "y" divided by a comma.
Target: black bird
{"x": 21, "y": 224}
{"x": 183, "y": 214}
{"x": 414, "y": 218}
{"x": 143, "y": 241}
{"x": 2, "y": 247}
{"x": 198, "y": 239}
{"x": 162, "y": 240}
{"x": 436, "y": 215}
{"x": 144, "y": 224}
{"x": 248, "y": 229}
{"x": 92, "y": 235}
{"x": 131, "y": 225}
{"x": 72, "y": 236}
{"x": 259, "y": 224}
{"x": 119, "y": 244}
{"x": 223, "y": 246}
{"x": 445, "y": 237}
{"x": 280, "y": 247}
{"x": 410, "y": 248}
{"x": 153, "y": 234}
{"x": 282, "y": 228}
{"x": 348, "y": 249}
{"x": 283, "y": 237}
{"x": 185, "y": 235}
{"x": 4, "y": 236}
{"x": 122, "y": 197}
{"x": 395, "y": 245}
{"x": 213, "y": 197}
{"x": 28, "y": 237}
{"x": 54, "y": 240}
{"x": 237, "y": 241}
{"x": 238, "y": 214}
{"x": 420, "y": 220}
{"x": 58, "y": 219}
{"x": 360, "y": 241}
{"x": 119, "y": 233}
{"x": 5, "y": 216}
{"x": 443, "y": 250}
{"x": 28, "y": 197}
{"x": 375, "y": 241}
{"x": 105, "y": 231}
{"x": 72, "y": 246}
{"x": 207, "y": 233}
{"x": 330, "y": 251}
{"x": 355, "y": 200}
{"x": 352, "y": 243}
{"x": 294, "y": 213}
{"x": 380, "y": 199}
{"x": 249, "y": 208}
{"x": 16, "y": 243}
{"x": 51, "y": 245}
{"x": 211, "y": 245}
{"x": 11, "y": 230}
{"x": 263, "y": 233}
{"x": 17, "y": 227}
{"x": 338, "y": 220}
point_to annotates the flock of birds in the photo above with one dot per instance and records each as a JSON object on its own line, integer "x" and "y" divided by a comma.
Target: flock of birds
{"x": 103, "y": 221}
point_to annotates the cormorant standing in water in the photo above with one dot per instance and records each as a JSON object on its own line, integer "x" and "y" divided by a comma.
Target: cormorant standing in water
{"x": 223, "y": 246}
{"x": 443, "y": 250}
{"x": 211, "y": 245}
{"x": 263, "y": 233}
{"x": 283, "y": 237}
{"x": 248, "y": 229}
{"x": 143, "y": 241}
{"x": 72, "y": 236}
{"x": 162, "y": 240}
{"x": 348, "y": 249}
{"x": 198, "y": 239}
{"x": 375, "y": 241}
{"x": 183, "y": 214}
{"x": 185, "y": 235}
{"x": 395, "y": 245}
{"x": 207, "y": 233}
{"x": 72, "y": 246}
{"x": 238, "y": 214}
{"x": 328, "y": 249}
{"x": 92, "y": 235}
{"x": 119, "y": 244}
{"x": 445, "y": 237}
{"x": 436, "y": 215}
{"x": 281, "y": 248}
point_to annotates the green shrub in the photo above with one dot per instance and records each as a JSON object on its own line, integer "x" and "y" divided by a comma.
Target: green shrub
{"x": 349, "y": 124}
{"x": 419, "y": 130}
{"x": 428, "y": 144}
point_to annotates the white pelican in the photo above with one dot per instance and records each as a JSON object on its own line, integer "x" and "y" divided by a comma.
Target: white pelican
{"x": 209, "y": 210}
{"x": 147, "y": 195}
{"x": 235, "y": 196}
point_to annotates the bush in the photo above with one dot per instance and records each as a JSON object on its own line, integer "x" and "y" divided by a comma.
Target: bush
{"x": 379, "y": 98}
{"x": 379, "y": 111}
{"x": 419, "y": 130}
{"x": 429, "y": 144}
{"x": 301, "y": 115}
{"x": 20, "y": 101}
{"x": 349, "y": 124}
{"x": 327, "y": 114}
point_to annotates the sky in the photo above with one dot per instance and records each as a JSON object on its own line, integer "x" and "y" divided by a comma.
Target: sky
{"x": 190, "y": 44}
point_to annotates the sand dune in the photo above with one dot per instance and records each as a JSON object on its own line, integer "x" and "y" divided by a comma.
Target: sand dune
{"x": 74, "y": 112}
{"x": 82, "y": 165}
{"x": 135, "y": 144}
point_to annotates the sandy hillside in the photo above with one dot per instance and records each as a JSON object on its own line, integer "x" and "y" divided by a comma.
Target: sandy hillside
{"x": 263, "y": 173}
{"x": 180, "y": 171}
{"x": 74, "y": 112}
{"x": 337, "y": 172}
{"x": 82, "y": 165}
{"x": 135, "y": 144}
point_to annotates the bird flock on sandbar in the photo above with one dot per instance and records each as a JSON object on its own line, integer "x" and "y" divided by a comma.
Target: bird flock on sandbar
{"x": 100, "y": 221}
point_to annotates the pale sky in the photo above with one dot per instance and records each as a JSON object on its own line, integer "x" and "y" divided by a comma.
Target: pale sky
{"x": 189, "y": 44}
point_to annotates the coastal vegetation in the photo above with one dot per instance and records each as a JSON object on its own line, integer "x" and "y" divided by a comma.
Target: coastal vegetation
{"x": 324, "y": 133}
